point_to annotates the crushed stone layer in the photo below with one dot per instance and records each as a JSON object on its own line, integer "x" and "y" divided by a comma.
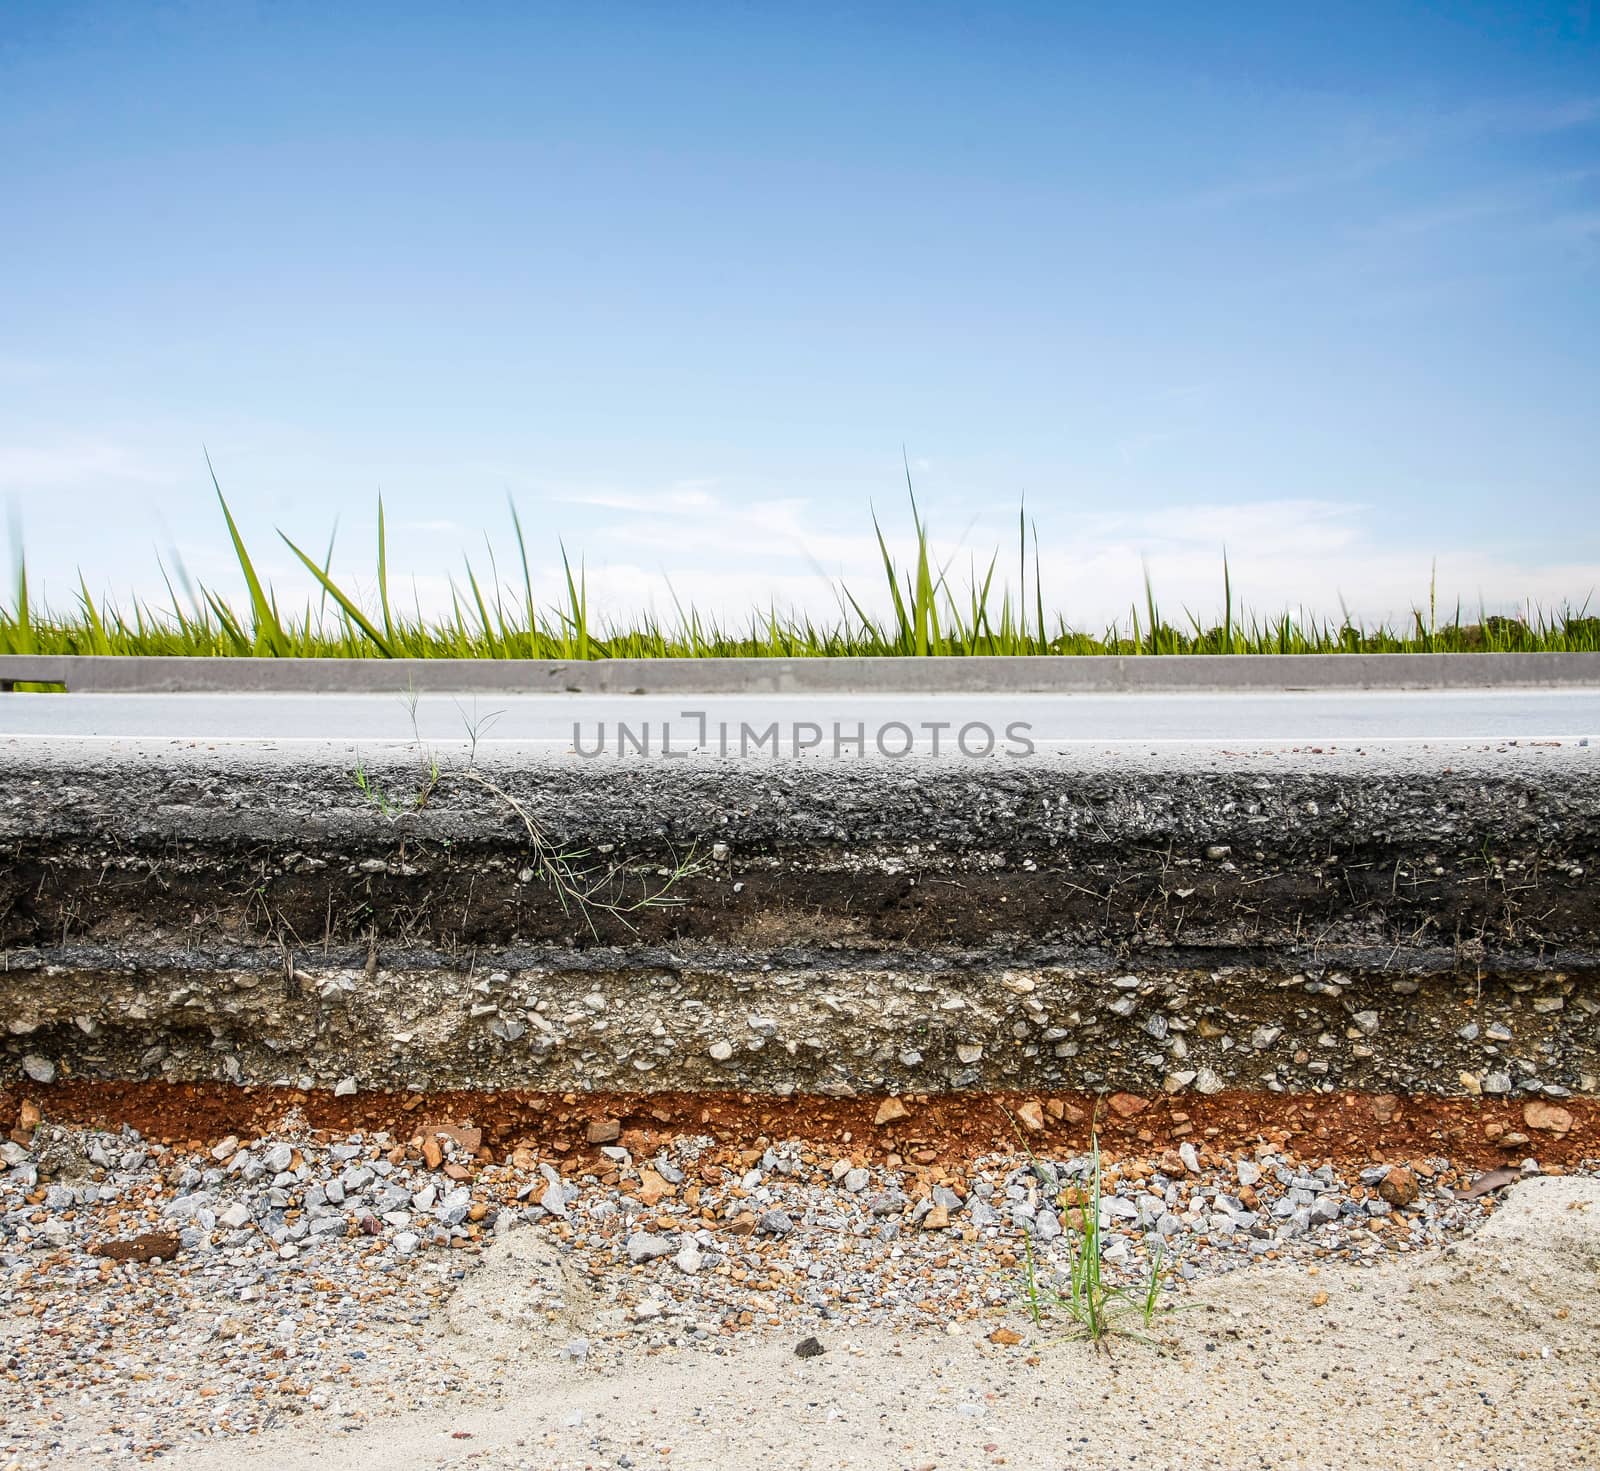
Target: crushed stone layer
{"x": 840, "y": 1024}
{"x": 622, "y": 1296}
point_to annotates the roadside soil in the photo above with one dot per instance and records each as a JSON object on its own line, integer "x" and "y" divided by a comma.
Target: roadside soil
{"x": 1484, "y": 1355}
{"x": 935, "y": 1129}
{"x": 205, "y": 1277}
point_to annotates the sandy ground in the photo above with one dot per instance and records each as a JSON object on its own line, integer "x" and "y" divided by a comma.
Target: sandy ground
{"x": 1486, "y": 1355}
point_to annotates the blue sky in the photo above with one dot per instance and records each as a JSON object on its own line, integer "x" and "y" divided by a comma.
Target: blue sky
{"x": 1319, "y": 283}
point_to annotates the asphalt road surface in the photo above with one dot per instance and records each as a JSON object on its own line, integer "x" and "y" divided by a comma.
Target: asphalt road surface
{"x": 812, "y": 723}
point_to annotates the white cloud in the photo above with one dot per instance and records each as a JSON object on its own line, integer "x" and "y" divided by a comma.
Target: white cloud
{"x": 32, "y": 467}
{"x": 1358, "y": 145}
{"x": 682, "y": 498}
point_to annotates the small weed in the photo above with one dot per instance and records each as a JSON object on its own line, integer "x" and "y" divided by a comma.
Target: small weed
{"x": 1030, "y": 1281}
{"x": 1150, "y": 1301}
{"x": 476, "y": 726}
{"x": 371, "y": 791}
{"x": 1094, "y": 1306}
{"x": 578, "y": 885}
{"x": 386, "y": 805}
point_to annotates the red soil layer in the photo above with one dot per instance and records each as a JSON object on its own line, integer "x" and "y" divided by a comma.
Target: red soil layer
{"x": 936, "y": 1129}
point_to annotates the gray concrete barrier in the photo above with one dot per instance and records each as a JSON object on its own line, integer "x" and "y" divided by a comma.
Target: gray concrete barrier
{"x": 1050, "y": 674}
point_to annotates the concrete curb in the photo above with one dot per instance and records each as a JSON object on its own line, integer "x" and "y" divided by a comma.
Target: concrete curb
{"x": 1058, "y": 674}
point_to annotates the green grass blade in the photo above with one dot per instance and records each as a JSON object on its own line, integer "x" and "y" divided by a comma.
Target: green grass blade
{"x": 529, "y": 610}
{"x": 268, "y": 634}
{"x": 578, "y": 596}
{"x": 352, "y": 612}
{"x": 903, "y": 622}
{"x": 22, "y": 639}
{"x": 383, "y": 575}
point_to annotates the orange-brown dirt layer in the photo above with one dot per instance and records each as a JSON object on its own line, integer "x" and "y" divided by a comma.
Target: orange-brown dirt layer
{"x": 924, "y": 1129}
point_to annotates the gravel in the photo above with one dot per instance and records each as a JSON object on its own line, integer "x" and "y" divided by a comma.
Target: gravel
{"x": 305, "y": 1273}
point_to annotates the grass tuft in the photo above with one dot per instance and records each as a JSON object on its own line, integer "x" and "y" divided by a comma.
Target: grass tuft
{"x": 1093, "y": 1306}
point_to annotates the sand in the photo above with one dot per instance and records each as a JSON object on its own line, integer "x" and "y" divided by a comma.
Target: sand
{"x": 1485, "y": 1355}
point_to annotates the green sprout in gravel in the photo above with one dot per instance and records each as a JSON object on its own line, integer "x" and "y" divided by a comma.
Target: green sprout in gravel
{"x": 1093, "y": 1306}
{"x": 928, "y": 614}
